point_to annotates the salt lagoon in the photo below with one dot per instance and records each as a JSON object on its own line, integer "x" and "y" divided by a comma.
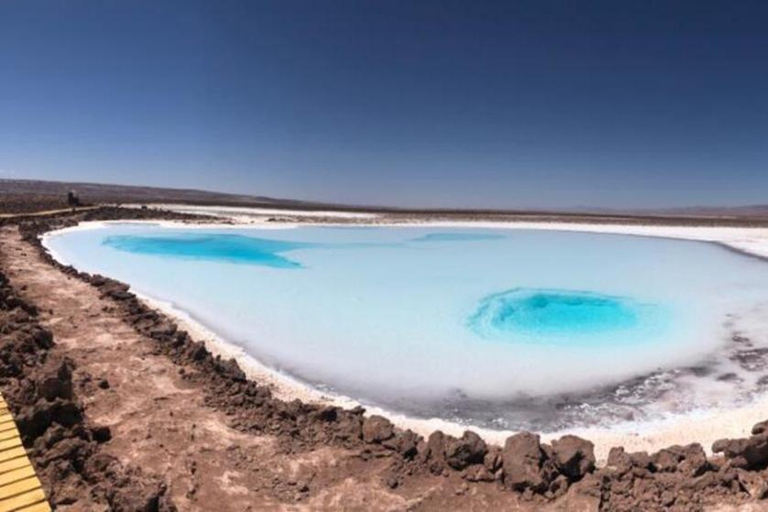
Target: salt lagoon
{"x": 498, "y": 328}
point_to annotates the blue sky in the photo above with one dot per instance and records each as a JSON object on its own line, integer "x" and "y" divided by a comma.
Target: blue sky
{"x": 413, "y": 103}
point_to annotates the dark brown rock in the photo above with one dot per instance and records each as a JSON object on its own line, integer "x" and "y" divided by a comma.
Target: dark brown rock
{"x": 377, "y": 429}
{"x": 558, "y": 486}
{"x": 522, "y": 460}
{"x": 584, "y": 496}
{"x": 492, "y": 459}
{"x": 574, "y": 457}
{"x": 230, "y": 369}
{"x": 760, "y": 428}
{"x": 619, "y": 460}
{"x": 665, "y": 461}
{"x": 434, "y": 452}
{"x": 405, "y": 443}
{"x": 349, "y": 426}
{"x": 692, "y": 459}
{"x": 467, "y": 450}
{"x": 641, "y": 460}
{"x": 101, "y": 434}
{"x": 755, "y": 484}
{"x": 55, "y": 380}
{"x": 746, "y": 453}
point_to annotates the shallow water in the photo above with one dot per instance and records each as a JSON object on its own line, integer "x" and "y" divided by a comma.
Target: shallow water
{"x": 505, "y": 328}
{"x": 562, "y": 316}
{"x": 211, "y": 247}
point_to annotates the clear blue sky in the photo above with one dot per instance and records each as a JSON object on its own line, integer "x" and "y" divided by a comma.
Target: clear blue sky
{"x": 401, "y": 102}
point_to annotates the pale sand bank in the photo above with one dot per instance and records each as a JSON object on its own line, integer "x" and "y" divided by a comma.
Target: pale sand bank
{"x": 248, "y": 215}
{"x": 704, "y": 426}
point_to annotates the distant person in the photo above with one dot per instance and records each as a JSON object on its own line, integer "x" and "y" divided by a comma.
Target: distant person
{"x": 72, "y": 199}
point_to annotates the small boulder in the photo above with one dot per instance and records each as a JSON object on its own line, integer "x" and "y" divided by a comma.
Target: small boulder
{"x": 434, "y": 452}
{"x": 55, "y": 380}
{"x": 574, "y": 457}
{"x": 492, "y": 459}
{"x": 619, "y": 460}
{"x": 97, "y": 465}
{"x": 101, "y": 433}
{"x": 349, "y": 426}
{"x": 405, "y": 443}
{"x": 641, "y": 460}
{"x": 760, "y": 428}
{"x": 665, "y": 461}
{"x": 467, "y": 450}
{"x": 746, "y": 453}
{"x": 584, "y": 496}
{"x": 522, "y": 459}
{"x": 229, "y": 368}
{"x": 558, "y": 487}
{"x": 693, "y": 460}
{"x": 754, "y": 483}
{"x": 377, "y": 429}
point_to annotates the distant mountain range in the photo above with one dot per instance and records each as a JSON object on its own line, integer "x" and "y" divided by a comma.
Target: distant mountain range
{"x": 24, "y": 193}
{"x": 106, "y": 193}
{"x": 757, "y": 210}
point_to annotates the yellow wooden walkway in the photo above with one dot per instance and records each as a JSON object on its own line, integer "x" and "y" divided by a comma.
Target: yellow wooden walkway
{"x": 20, "y": 489}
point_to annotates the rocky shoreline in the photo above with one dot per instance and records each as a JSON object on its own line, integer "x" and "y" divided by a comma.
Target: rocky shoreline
{"x": 559, "y": 474}
{"x": 36, "y": 380}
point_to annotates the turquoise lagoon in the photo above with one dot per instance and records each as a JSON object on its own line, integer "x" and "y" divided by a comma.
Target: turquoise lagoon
{"x": 480, "y": 325}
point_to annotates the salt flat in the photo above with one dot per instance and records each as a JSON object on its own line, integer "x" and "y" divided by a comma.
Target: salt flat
{"x": 702, "y": 426}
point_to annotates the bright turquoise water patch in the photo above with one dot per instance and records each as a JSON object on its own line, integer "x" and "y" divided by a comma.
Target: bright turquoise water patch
{"x": 542, "y": 315}
{"x": 212, "y": 247}
{"x": 457, "y": 237}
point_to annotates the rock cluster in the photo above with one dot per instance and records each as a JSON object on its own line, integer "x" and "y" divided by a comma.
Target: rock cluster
{"x": 746, "y": 453}
{"x": 65, "y": 450}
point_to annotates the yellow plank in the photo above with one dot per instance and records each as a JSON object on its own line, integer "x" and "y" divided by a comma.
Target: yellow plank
{"x": 40, "y": 507}
{"x": 16, "y": 475}
{"x": 10, "y": 443}
{"x": 12, "y": 453}
{"x": 22, "y": 500}
{"x": 19, "y": 487}
{"x": 8, "y": 434}
{"x": 10, "y": 465}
